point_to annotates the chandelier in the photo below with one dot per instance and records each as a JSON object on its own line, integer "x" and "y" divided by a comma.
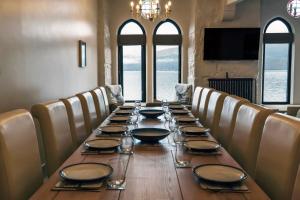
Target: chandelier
{"x": 150, "y": 9}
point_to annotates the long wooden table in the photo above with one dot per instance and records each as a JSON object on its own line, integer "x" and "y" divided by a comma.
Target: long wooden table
{"x": 151, "y": 174}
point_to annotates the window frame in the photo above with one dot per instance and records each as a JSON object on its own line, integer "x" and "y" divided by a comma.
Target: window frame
{"x": 278, "y": 38}
{"x": 167, "y": 40}
{"x": 131, "y": 40}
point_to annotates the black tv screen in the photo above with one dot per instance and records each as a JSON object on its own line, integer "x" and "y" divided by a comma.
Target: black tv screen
{"x": 231, "y": 43}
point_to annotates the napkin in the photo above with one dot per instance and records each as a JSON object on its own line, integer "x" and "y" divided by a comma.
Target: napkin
{"x": 70, "y": 186}
{"x": 201, "y": 153}
{"x": 214, "y": 187}
{"x": 96, "y": 152}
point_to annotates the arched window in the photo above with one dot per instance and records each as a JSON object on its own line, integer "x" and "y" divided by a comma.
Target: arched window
{"x": 167, "y": 41}
{"x": 132, "y": 62}
{"x": 278, "y": 39}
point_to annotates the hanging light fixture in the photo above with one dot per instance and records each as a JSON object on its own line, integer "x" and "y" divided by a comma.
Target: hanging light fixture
{"x": 149, "y": 9}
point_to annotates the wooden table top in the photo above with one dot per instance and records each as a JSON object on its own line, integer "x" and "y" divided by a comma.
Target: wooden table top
{"x": 151, "y": 174}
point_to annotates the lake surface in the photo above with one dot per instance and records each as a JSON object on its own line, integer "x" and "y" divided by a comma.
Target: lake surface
{"x": 166, "y": 85}
{"x": 275, "y": 85}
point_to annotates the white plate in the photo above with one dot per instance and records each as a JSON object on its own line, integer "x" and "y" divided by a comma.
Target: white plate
{"x": 119, "y": 119}
{"x": 202, "y": 145}
{"x": 180, "y": 112}
{"x": 113, "y": 129}
{"x": 194, "y": 130}
{"x": 186, "y": 119}
{"x": 126, "y": 107}
{"x": 219, "y": 173}
{"x": 86, "y": 172}
{"x": 176, "y": 107}
{"x": 102, "y": 144}
{"x": 123, "y": 112}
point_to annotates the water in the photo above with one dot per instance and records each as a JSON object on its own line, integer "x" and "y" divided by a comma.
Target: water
{"x": 275, "y": 86}
{"x": 166, "y": 89}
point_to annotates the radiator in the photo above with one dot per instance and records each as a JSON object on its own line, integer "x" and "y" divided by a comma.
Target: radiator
{"x": 242, "y": 87}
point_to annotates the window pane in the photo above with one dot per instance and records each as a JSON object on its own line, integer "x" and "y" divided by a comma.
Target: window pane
{"x": 276, "y": 72}
{"x": 132, "y": 72}
{"x": 277, "y": 27}
{"x": 131, "y": 28}
{"x": 167, "y": 71}
{"x": 167, "y": 28}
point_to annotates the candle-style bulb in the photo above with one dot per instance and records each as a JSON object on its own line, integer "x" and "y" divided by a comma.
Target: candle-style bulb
{"x": 166, "y": 7}
{"x": 169, "y": 3}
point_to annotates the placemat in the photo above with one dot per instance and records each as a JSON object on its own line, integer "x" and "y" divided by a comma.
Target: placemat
{"x": 68, "y": 186}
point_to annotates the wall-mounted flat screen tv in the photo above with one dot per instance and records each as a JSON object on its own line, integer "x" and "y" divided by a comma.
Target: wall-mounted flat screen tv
{"x": 231, "y": 43}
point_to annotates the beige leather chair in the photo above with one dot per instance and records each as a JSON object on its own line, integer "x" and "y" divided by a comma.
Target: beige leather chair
{"x": 278, "y": 156}
{"x": 196, "y": 100}
{"x": 99, "y": 105}
{"x": 206, "y": 92}
{"x": 76, "y": 120}
{"x": 105, "y": 100}
{"x": 20, "y": 164}
{"x": 246, "y": 135}
{"x": 89, "y": 111}
{"x": 296, "y": 191}
{"x": 56, "y": 134}
{"x": 227, "y": 119}
{"x": 214, "y": 108}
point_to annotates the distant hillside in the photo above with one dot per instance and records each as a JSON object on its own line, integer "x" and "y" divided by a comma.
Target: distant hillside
{"x": 167, "y": 61}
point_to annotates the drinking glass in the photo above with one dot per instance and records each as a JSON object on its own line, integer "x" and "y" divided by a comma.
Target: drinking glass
{"x": 119, "y": 165}
{"x": 182, "y": 160}
{"x": 137, "y": 104}
{"x": 134, "y": 119}
{"x": 178, "y": 137}
{"x": 165, "y": 104}
{"x": 127, "y": 143}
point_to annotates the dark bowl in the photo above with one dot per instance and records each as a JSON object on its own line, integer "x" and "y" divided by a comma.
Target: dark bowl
{"x": 151, "y": 113}
{"x": 150, "y": 135}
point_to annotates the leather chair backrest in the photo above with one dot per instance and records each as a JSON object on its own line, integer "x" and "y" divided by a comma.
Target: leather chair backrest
{"x": 296, "y": 191}
{"x": 196, "y": 100}
{"x": 246, "y": 135}
{"x": 20, "y": 164}
{"x": 56, "y": 134}
{"x": 76, "y": 120}
{"x": 206, "y": 92}
{"x": 89, "y": 111}
{"x": 105, "y": 100}
{"x": 228, "y": 118}
{"x": 99, "y": 105}
{"x": 278, "y": 156}
{"x": 214, "y": 108}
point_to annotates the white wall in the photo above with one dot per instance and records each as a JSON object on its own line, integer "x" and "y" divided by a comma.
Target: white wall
{"x": 39, "y": 50}
{"x": 247, "y": 15}
{"x": 271, "y": 9}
